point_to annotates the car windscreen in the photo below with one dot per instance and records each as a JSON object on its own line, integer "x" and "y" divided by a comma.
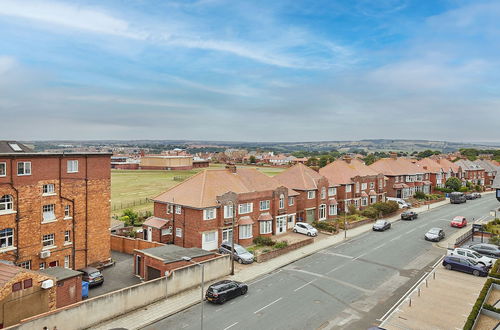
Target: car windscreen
{"x": 472, "y": 262}
{"x": 475, "y": 254}
{"x": 240, "y": 250}
{"x": 308, "y": 226}
{"x": 434, "y": 231}
{"x": 380, "y": 222}
{"x": 95, "y": 274}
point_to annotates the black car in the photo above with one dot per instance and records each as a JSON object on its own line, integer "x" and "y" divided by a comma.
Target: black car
{"x": 470, "y": 196}
{"x": 409, "y": 215}
{"x": 381, "y": 225}
{"x": 223, "y": 291}
{"x": 92, "y": 275}
{"x": 489, "y": 250}
{"x": 465, "y": 265}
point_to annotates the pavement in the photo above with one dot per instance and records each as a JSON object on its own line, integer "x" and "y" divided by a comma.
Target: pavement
{"x": 350, "y": 303}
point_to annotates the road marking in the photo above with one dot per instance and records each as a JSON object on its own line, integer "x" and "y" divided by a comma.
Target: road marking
{"x": 268, "y": 305}
{"x": 395, "y": 238}
{"x": 336, "y": 268}
{"x": 265, "y": 277}
{"x": 361, "y": 255}
{"x": 410, "y": 231}
{"x": 378, "y": 247}
{"x": 232, "y": 325}
{"x": 218, "y": 309}
{"x": 337, "y": 254}
{"x": 300, "y": 287}
{"x": 334, "y": 280}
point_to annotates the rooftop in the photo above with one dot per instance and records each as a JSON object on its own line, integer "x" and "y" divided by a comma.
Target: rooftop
{"x": 396, "y": 166}
{"x": 60, "y": 273}
{"x": 172, "y": 253}
{"x": 341, "y": 171}
{"x": 299, "y": 177}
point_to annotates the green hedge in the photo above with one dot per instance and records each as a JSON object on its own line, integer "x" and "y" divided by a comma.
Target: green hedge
{"x": 263, "y": 241}
{"x": 281, "y": 245}
{"x": 328, "y": 226}
{"x": 479, "y": 302}
{"x": 495, "y": 271}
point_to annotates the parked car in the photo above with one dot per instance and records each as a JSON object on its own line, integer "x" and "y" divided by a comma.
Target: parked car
{"x": 457, "y": 197}
{"x": 92, "y": 275}
{"x": 476, "y": 194}
{"x": 401, "y": 202}
{"x": 489, "y": 250}
{"x": 409, "y": 215}
{"x": 240, "y": 253}
{"x": 434, "y": 235}
{"x": 305, "y": 228}
{"x": 465, "y": 265}
{"x": 472, "y": 255}
{"x": 469, "y": 196}
{"x": 459, "y": 222}
{"x": 381, "y": 225}
{"x": 223, "y": 291}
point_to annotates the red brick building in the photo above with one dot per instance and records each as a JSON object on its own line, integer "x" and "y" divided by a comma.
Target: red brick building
{"x": 200, "y": 209}
{"x": 317, "y": 196}
{"x": 54, "y": 207}
{"x": 358, "y": 184}
{"x": 68, "y": 285}
{"x": 472, "y": 172}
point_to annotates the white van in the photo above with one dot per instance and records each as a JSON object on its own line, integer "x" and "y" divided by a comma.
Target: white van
{"x": 401, "y": 202}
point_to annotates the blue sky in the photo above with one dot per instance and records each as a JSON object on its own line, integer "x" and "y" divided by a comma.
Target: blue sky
{"x": 250, "y": 70}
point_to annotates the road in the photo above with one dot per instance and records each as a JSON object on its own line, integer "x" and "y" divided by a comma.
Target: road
{"x": 347, "y": 286}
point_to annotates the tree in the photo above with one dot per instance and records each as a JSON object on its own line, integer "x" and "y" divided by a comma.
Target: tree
{"x": 313, "y": 161}
{"x": 453, "y": 183}
{"x": 252, "y": 159}
{"x": 370, "y": 159}
{"x": 323, "y": 160}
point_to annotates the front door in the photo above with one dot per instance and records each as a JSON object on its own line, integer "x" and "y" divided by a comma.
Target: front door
{"x": 150, "y": 234}
{"x": 310, "y": 215}
{"x": 398, "y": 193}
{"x": 137, "y": 265}
{"x": 281, "y": 224}
{"x": 209, "y": 241}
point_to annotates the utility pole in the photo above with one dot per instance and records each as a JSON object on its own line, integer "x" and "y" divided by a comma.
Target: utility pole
{"x": 232, "y": 237}
{"x": 202, "y": 284}
{"x": 345, "y": 223}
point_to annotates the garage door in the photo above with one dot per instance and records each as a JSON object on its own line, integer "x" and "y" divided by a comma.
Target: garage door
{"x": 210, "y": 240}
{"x": 153, "y": 273}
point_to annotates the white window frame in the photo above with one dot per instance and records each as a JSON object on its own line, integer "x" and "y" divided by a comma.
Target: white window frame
{"x": 209, "y": 214}
{"x": 178, "y": 209}
{"x": 373, "y": 199}
{"x": 48, "y": 241}
{"x": 245, "y": 231}
{"x": 7, "y": 204}
{"x": 291, "y": 200}
{"x": 364, "y": 186}
{"x": 67, "y": 237}
{"x": 67, "y": 261}
{"x": 372, "y": 185}
{"x": 348, "y": 188}
{"x": 311, "y": 194}
{"x": 323, "y": 193}
{"x": 245, "y": 208}
{"x": 25, "y": 264}
{"x": 178, "y": 232}
{"x": 72, "y": 166}
{"x": 396, "y": 179}
{"x": 41, "y": 266}
{"x": 364, "y": 201}
{"x": 264, "y": 205}
{"x": 227, "y": 232}
{"x": 26, "y": 168}
{"x": 67, "y": 211}
{"x": 7, "y": 236}
{"x": 166, "y": 231}
{"x": 48, "y": 212}
{"x": 170, "y": 208}
{"x": 282, "y": 201}
{"x": 3, "y": 169}
{"x": 207, "y": 235}
{"x": 266, "y": 227}
{"x": 228, "y": 211}
{"x": 332, "y": 191}
{"x": 322, "y": 212}
{"x": 48, "y": 189}
{"x": 332, "y": 209}
{"x": 357, "y": 187}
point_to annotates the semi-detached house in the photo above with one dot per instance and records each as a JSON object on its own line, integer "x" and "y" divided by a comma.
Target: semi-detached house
{"x": 490, "y": 171}
{"x": 199, "y": 211}
{"x": 472, "y": 172}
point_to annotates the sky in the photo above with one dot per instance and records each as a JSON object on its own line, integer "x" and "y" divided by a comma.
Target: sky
{"x": 254, "y": 70}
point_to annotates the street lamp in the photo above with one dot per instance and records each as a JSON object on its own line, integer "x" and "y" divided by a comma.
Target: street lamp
{"x": 202, "y": 285}
{"x": 233, "y": 211}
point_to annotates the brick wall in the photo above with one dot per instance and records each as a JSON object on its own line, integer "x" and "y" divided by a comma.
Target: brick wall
{"x": 128, "y": 245}
{"x": 69, "y": 291}
{"x": 276, "y": 253}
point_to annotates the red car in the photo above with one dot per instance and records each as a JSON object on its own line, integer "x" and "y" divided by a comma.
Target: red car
{"x": 459, "y": 222}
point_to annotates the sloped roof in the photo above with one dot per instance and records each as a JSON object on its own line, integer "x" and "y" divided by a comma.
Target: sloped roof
{"x": 488, "y": 166}
{"x": 9, "y": 147}
{"x": 155, "y": 222}
{"x": 396, "y": 166}
{"x": 447, "y": 164}
{"x": 8, "y": 272}
{"x": 201, "y": 190}
{"x": 299, "y": 177}
{"x": 430, "y": 165}
{"x": 341, "y": 171}
{"x": 468, "y": 165}
{"x": 496, "y": 182}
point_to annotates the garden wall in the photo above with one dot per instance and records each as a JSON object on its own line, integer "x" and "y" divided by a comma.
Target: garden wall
{"x": 276, "y": 253}
{"x": 128, "y": 245}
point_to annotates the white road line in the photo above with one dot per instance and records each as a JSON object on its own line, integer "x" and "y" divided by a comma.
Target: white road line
{"x": 232, "y": 325}
{"x": 265, "y": 277}
{"x": 268, "y": 305}
{"x": 300, "y": 287}
{"x": 395, "y": 238}
{"x": 361, "y": 255}
{"x": 378, "y": 247}
{"x": 218, "y": 309}
{"x": 336, "y": 268}
{"x": 410, "y": 231}
{"x": 337, "y": 254}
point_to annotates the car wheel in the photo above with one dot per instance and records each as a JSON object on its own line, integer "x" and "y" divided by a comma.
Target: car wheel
{"x": 475, "y": 273}
{"x": 222, "y": 300}
{"x": 243, "y": 291}
{"x": 448, "y": 266}
{"x": 308, "y": 234}
{"x": 294, "y": 230}
{"x": 240, "y": 261}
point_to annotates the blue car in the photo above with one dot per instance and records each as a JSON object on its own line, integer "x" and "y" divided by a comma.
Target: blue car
{"x": 465, "y": 265}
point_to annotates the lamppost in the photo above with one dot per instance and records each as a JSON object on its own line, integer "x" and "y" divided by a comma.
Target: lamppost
{"x": 202, "y": 285}
{"x": 233, "y": 211}
{"x": 345, "y": 224}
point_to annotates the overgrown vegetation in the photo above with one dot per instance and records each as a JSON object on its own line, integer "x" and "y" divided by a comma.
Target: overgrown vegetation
{"x": 132, "y": 218}
{"x": 328, "y": 226}
{"x": 263, "y": 241}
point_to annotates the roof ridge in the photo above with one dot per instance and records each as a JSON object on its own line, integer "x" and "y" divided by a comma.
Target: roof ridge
{"x": 203, "y": 182}
{"x": 180, "y": 183}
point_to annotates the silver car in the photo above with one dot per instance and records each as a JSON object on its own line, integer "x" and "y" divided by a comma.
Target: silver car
{"x": 240, "y": 253}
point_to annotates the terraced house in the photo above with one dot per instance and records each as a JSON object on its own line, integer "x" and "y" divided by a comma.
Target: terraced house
{"x": 471, "y": 172}
{"x": 357, "y": 184}
{"x": 404, "y": 176}
{"x": 199, "y": 211}
{"x": 490, "y": 171}
{"x": 54, "y": 207}
{"x": 317, "y": 198}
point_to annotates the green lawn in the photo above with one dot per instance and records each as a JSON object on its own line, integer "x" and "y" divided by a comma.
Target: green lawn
{"x": 131, "y": 188}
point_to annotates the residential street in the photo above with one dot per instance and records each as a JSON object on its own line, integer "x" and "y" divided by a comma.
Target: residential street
{"x": 348, "y": 286}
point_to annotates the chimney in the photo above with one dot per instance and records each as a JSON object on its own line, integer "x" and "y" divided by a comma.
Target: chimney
{"x": 231, "y": 168}
{"x": 393, "y": 155}
{"x": 425, "y": 167}
{"x": 347, "y": 159}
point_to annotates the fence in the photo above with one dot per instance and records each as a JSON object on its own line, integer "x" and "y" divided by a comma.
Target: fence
{"x": 128, "y": 245}
{"x": 463, "y": 238}
{"x": 137, "y": 202}
{"x": 180, "y": 177}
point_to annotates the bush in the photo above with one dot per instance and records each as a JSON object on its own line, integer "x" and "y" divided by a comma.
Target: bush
{"x": 494, "y": 271}
{"x": 328, "y": 226}
{"x": 370, "y": 212}
{"x": 464, "y": 189}
{"x": 352, "y": 209}
{"x": 445, "y": 190}
{"x": 264, "y": 241}
{"x": 453, "y": 184}
{"x": 479, "y": 302}
{"x": 281, "y": 245}
{"x": 420, "y": 195}
{"x": 386, "y": 207}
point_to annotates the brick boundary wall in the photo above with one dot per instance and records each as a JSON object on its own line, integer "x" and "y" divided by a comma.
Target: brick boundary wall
{"x": 128, "y": 245}
{"x": 276, "y": 253}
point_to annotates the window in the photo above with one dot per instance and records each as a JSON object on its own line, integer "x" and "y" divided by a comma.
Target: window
{"x": 332, "y": 209}
{"x": 266, "y": 227}
{"x": 6, "y": 203}
{"x": 227, "y": 235}
{"x": 67, "y": 236}
{"x": 48, "y": 189}
{"x": 291, "y": 201}
{"x": 397, "y": 179}
{"x": 282, "y": 201}
{"x": 48, "y": 240}
{"x": 372, "y": 185}
{"x": 170, "y": 208}
{"x": 16, "y": 286}
{"x": 348, "y": 188}
{"x": 72, "y": 166}
{"x": 311, "y": 194}
{"x": 364, "y": 201}
{"x": 3, "y": 169}
{"x": 67, "y": 211}
{"x": 67, "y": 260}
{"x": 24, "y": 168}
{"x": 25, "y": 264}
{"x": 332, "y": 191}
{"x": 28, "y": 283}
{"x": 380, "y": 183}
{"x": 178, "y": 232}
{"x": 322, "y": 212}
{"x": 323, "y": 193}
{"x": 209, "y": 214}
{"x": 210, "y": 236}
{"x": 357, "y": 187}
{"x": 373, "y": 199}
{"x": 6, "y": 237}
{"x": 41, "y": 266}
{"x": 53, "y": 263}
{"x": 356, "y": 202}
{"x": 245, "y": 231}
{"x": 178, "y": 209}
{"x": 245, "y": 208}
{"x": 166, "y": 231}
{"x": 265, "y": 205}
{"x": 228, "y": 211}
{"x": 364, "y": 186}
{"x": 49, "y": 212}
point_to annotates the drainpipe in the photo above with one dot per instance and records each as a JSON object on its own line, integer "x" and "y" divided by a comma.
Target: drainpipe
{"x": 86, "y": 209}
{"x": 173, "y": 222}
{"x": 72, "y": 201}
{"x": 11, "y": 183}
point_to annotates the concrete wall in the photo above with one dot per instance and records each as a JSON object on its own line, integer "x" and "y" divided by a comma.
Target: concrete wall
{"x": 128, "y": 245}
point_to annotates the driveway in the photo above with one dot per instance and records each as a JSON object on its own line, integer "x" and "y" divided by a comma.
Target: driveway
{"x": 116, "y": 277}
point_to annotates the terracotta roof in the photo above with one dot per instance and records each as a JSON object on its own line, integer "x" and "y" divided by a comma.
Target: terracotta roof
{"x": 299, "y": 177}
{"x": 246, "y": 220}
{"x": 364, "y": 194}
{"x": 397, "y": 166}
{"x": 155, "y": 222}
{"x": 8, "y": 272}
{"x": 265, "y": 217}
{"x": 201, "y": 190}
{"x": 447, "y": 164}
{"x": 372, "y": 193}
{"x": 430, "y": 165}
{"x": 341, "y": 171}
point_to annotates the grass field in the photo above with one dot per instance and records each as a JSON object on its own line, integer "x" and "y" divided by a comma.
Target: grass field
{"x": 132, "y": 188}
